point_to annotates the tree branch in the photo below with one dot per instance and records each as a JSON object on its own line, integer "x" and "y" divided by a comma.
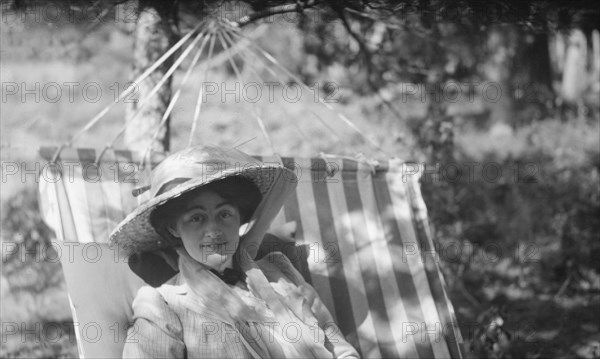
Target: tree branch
{"x": 367, "y": 58}
{"x": 276, "y": 10}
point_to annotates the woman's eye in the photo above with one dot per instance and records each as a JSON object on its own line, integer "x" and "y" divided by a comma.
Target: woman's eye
{"x": 226, "y": 215}
{"x": 196, "y": 218}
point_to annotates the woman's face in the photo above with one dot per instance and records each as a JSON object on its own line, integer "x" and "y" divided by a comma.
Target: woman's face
{"x": 209, "y": 229}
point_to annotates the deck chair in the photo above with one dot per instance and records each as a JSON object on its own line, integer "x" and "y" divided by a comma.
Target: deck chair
{"x": 368, "y": 251}
{"x": 360, "y": 235}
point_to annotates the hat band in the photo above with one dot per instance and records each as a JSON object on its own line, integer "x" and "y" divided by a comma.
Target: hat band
{"x": 170, "y": 185}
{"x": 184, "y": 172}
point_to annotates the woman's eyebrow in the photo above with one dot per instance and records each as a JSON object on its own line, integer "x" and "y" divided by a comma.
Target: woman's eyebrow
{"x": 224, "y": 203}
{"x": 199, "y": 206}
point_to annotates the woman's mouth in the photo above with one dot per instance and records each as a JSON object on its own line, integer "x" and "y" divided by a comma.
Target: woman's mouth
{"x": 214, "y": 247}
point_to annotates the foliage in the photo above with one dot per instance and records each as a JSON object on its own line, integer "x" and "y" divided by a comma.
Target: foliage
{"x": 34, "y": 300}
{"x": 525, "y": 241}
{"x": 30, "y": 238}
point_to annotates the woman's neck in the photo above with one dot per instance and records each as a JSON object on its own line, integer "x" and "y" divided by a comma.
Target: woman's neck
{"x": 220, "y": 268}
{"x": 227, "y": 264}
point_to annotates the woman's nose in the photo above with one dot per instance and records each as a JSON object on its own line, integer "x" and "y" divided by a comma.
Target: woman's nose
{"x": 213, "y": 234}
{"x": 212, "y": 230}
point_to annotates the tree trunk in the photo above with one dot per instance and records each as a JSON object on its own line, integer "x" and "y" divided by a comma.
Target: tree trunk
{"x": 155, "y": 33}
{"x": 531, "y": 79}
{"x": 501, "y": 48}
{"x": 575, "y": 77}
{"x": 436, "y": 133}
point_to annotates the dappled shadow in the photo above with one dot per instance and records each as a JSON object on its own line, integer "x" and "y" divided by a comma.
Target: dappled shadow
{"x": 540, "y": 325}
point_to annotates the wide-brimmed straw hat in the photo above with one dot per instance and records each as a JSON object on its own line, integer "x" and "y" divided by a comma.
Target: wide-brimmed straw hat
{"x": 193, "y": 168}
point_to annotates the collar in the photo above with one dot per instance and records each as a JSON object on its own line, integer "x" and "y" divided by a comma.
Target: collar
{"x": 230, "y": 276}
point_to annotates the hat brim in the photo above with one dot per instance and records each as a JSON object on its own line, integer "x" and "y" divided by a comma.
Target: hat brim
{"x": 136, "y": 234}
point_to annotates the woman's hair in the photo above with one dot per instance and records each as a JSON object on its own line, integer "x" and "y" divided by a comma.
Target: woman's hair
{"x": 237, "y": 190}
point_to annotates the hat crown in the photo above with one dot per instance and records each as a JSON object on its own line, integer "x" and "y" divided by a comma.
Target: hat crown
{"x": 196, "y": 162}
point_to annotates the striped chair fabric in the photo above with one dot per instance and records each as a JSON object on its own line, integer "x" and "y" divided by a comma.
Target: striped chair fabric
{"x": 364, "y": 229}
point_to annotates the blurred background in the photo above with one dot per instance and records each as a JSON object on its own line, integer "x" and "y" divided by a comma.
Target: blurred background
{"x": 504, "y": 98}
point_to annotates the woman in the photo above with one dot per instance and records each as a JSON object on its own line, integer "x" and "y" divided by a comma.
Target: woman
{"x": 222, "y": 303}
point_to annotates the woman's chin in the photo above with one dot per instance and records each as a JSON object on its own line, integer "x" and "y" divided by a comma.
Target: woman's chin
{"x": 217, "y": 261}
